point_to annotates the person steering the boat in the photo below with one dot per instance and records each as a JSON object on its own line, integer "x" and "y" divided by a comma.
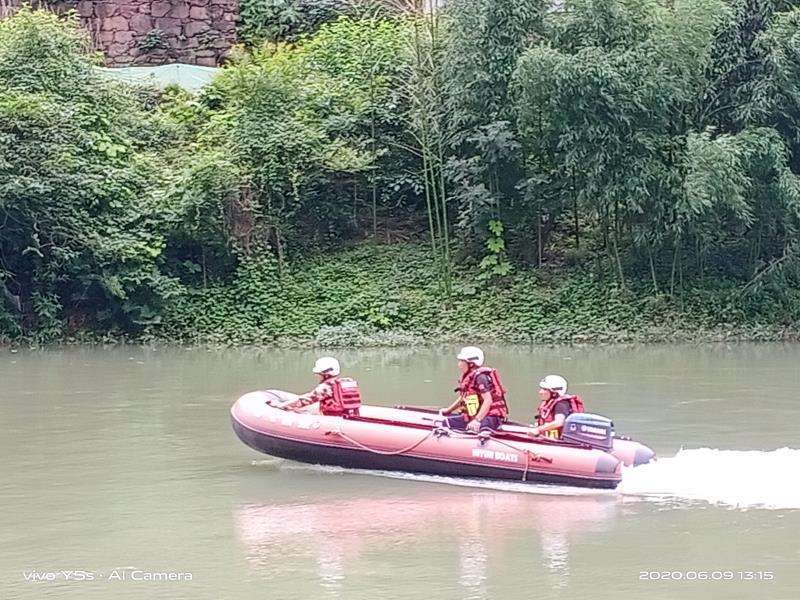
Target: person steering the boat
{"x": 337, "y": 396}
{"x": 481, "y": 401}
{"x": 554, "y": 406}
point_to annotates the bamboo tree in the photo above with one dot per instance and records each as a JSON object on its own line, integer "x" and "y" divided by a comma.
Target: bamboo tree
{"x": 427, "y": 115}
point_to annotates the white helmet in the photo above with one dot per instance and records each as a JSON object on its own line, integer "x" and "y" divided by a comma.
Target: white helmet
{"x": 554, "y": 383}
{"x": 327, "y": 365}
{"x": 471, "y": 354}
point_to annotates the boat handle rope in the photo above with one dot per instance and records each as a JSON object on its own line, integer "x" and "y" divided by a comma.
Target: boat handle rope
{"x": 275, "y": 396}
{"x": 376, "y": 451}
{"x": 530, "y": 456}
{"x": 438, "y": 432}
{"x": 484, "y": 438}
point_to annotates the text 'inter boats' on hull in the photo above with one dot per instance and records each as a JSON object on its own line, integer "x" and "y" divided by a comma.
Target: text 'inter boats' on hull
{"x": 412, "y": 440}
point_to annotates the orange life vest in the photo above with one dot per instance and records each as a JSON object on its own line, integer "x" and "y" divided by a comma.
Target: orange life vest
{"x": 345, "y": 399}
{"x": 470, "y": 398}
{"x": 547, "y": 414}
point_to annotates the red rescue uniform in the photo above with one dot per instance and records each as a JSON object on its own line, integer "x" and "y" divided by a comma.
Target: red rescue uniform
{"x": 564, "y": 405}
{"x": 337, "y": 396}
{"x": 476, "y": 382}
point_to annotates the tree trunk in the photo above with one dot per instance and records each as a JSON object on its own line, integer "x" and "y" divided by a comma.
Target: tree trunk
{"x": 676, "y": 243}
{"x": 618, "y": 259}
{"x": 652, "y": 268}
{"x": 575, "y": 214}
{"x": 355, "y": 204}
{"x": 205, "y": 279}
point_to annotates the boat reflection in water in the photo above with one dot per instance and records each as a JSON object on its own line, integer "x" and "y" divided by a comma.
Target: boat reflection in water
{"x": 493, "y": 532}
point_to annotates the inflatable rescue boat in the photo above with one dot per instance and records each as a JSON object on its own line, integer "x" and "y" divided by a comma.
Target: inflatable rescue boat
{"x": 411, "y": 439}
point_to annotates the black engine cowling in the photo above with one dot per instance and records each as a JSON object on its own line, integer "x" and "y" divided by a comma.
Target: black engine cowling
{"x": 596, "y": 431}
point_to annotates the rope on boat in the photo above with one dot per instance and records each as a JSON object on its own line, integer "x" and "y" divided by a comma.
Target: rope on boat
{"x": 527, "y": 464}
{"x": 382, "y": 452}
{"x": 529, "y": 455}
{"x": 275, "y": 396}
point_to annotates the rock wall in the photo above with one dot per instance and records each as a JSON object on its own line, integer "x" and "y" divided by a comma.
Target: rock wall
{"x": 153, "y": 32}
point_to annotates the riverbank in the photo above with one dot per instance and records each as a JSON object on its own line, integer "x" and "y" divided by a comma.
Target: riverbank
{"x": 389, "y": 295}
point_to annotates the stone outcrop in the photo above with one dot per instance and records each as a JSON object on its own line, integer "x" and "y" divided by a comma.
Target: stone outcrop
{"x": 153, "y": 32}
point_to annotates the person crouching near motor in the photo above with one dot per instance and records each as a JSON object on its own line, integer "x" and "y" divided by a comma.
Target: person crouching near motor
{"x": 554, "y": 407}
{"x": 337, "y": 396}
{"x": 481, "y": 401}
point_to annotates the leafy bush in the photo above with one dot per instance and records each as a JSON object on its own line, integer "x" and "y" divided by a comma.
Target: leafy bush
{"x": 367, "y": 296}
{"x": 286, "y": 20}
{"x": 355, "y": 335}
{"x": 280, "y": 143}
{"x": 79, "y": 240}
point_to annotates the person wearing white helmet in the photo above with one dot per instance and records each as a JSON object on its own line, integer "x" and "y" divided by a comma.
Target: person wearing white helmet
{"x": 337, "y": 396}
{"x": 481, "y": 402}
{"x": 554, "y": 406}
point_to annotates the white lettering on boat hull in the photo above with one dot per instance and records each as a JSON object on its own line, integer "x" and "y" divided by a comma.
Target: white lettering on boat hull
{"x": 495, "y": 455}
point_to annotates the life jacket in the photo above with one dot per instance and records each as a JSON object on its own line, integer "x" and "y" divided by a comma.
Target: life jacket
{"x": 547, "y": 414}
{"x": 346, "y": 397}
{"x": 471, "y": 400}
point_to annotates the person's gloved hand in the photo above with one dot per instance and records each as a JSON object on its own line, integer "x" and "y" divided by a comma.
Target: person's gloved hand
{"x": 474, "y": 426}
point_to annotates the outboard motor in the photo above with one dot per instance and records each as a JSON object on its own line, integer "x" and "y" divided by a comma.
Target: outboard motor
{"x": 596, "y": 431}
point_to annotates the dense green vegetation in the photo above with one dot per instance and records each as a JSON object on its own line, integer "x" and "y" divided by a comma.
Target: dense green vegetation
{"x": 390, "y": 295}
{"x": 618, "y": 170}
{"x": 287, "y": 20}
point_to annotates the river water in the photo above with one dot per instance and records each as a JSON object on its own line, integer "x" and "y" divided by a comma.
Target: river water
{"x": 121, "y": 478}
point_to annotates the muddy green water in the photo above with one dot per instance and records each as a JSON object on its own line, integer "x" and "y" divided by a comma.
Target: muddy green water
{"x": 120, "y": 467}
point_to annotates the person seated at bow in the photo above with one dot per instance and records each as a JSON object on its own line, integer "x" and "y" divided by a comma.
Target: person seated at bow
{"x": 337, "y": 396}
{"x": 481, "y": 401}
{"x": 555, "y": 406}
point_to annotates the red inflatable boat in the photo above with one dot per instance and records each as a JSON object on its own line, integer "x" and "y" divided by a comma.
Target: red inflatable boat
{"x": 412, "y": 439}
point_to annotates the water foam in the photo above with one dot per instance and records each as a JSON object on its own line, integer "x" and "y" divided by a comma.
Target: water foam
{"x": 738, "y": 478}
{"x": 486, "y": 484}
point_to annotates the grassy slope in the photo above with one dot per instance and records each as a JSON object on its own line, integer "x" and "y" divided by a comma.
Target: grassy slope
{"x": 388, "y": 295}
